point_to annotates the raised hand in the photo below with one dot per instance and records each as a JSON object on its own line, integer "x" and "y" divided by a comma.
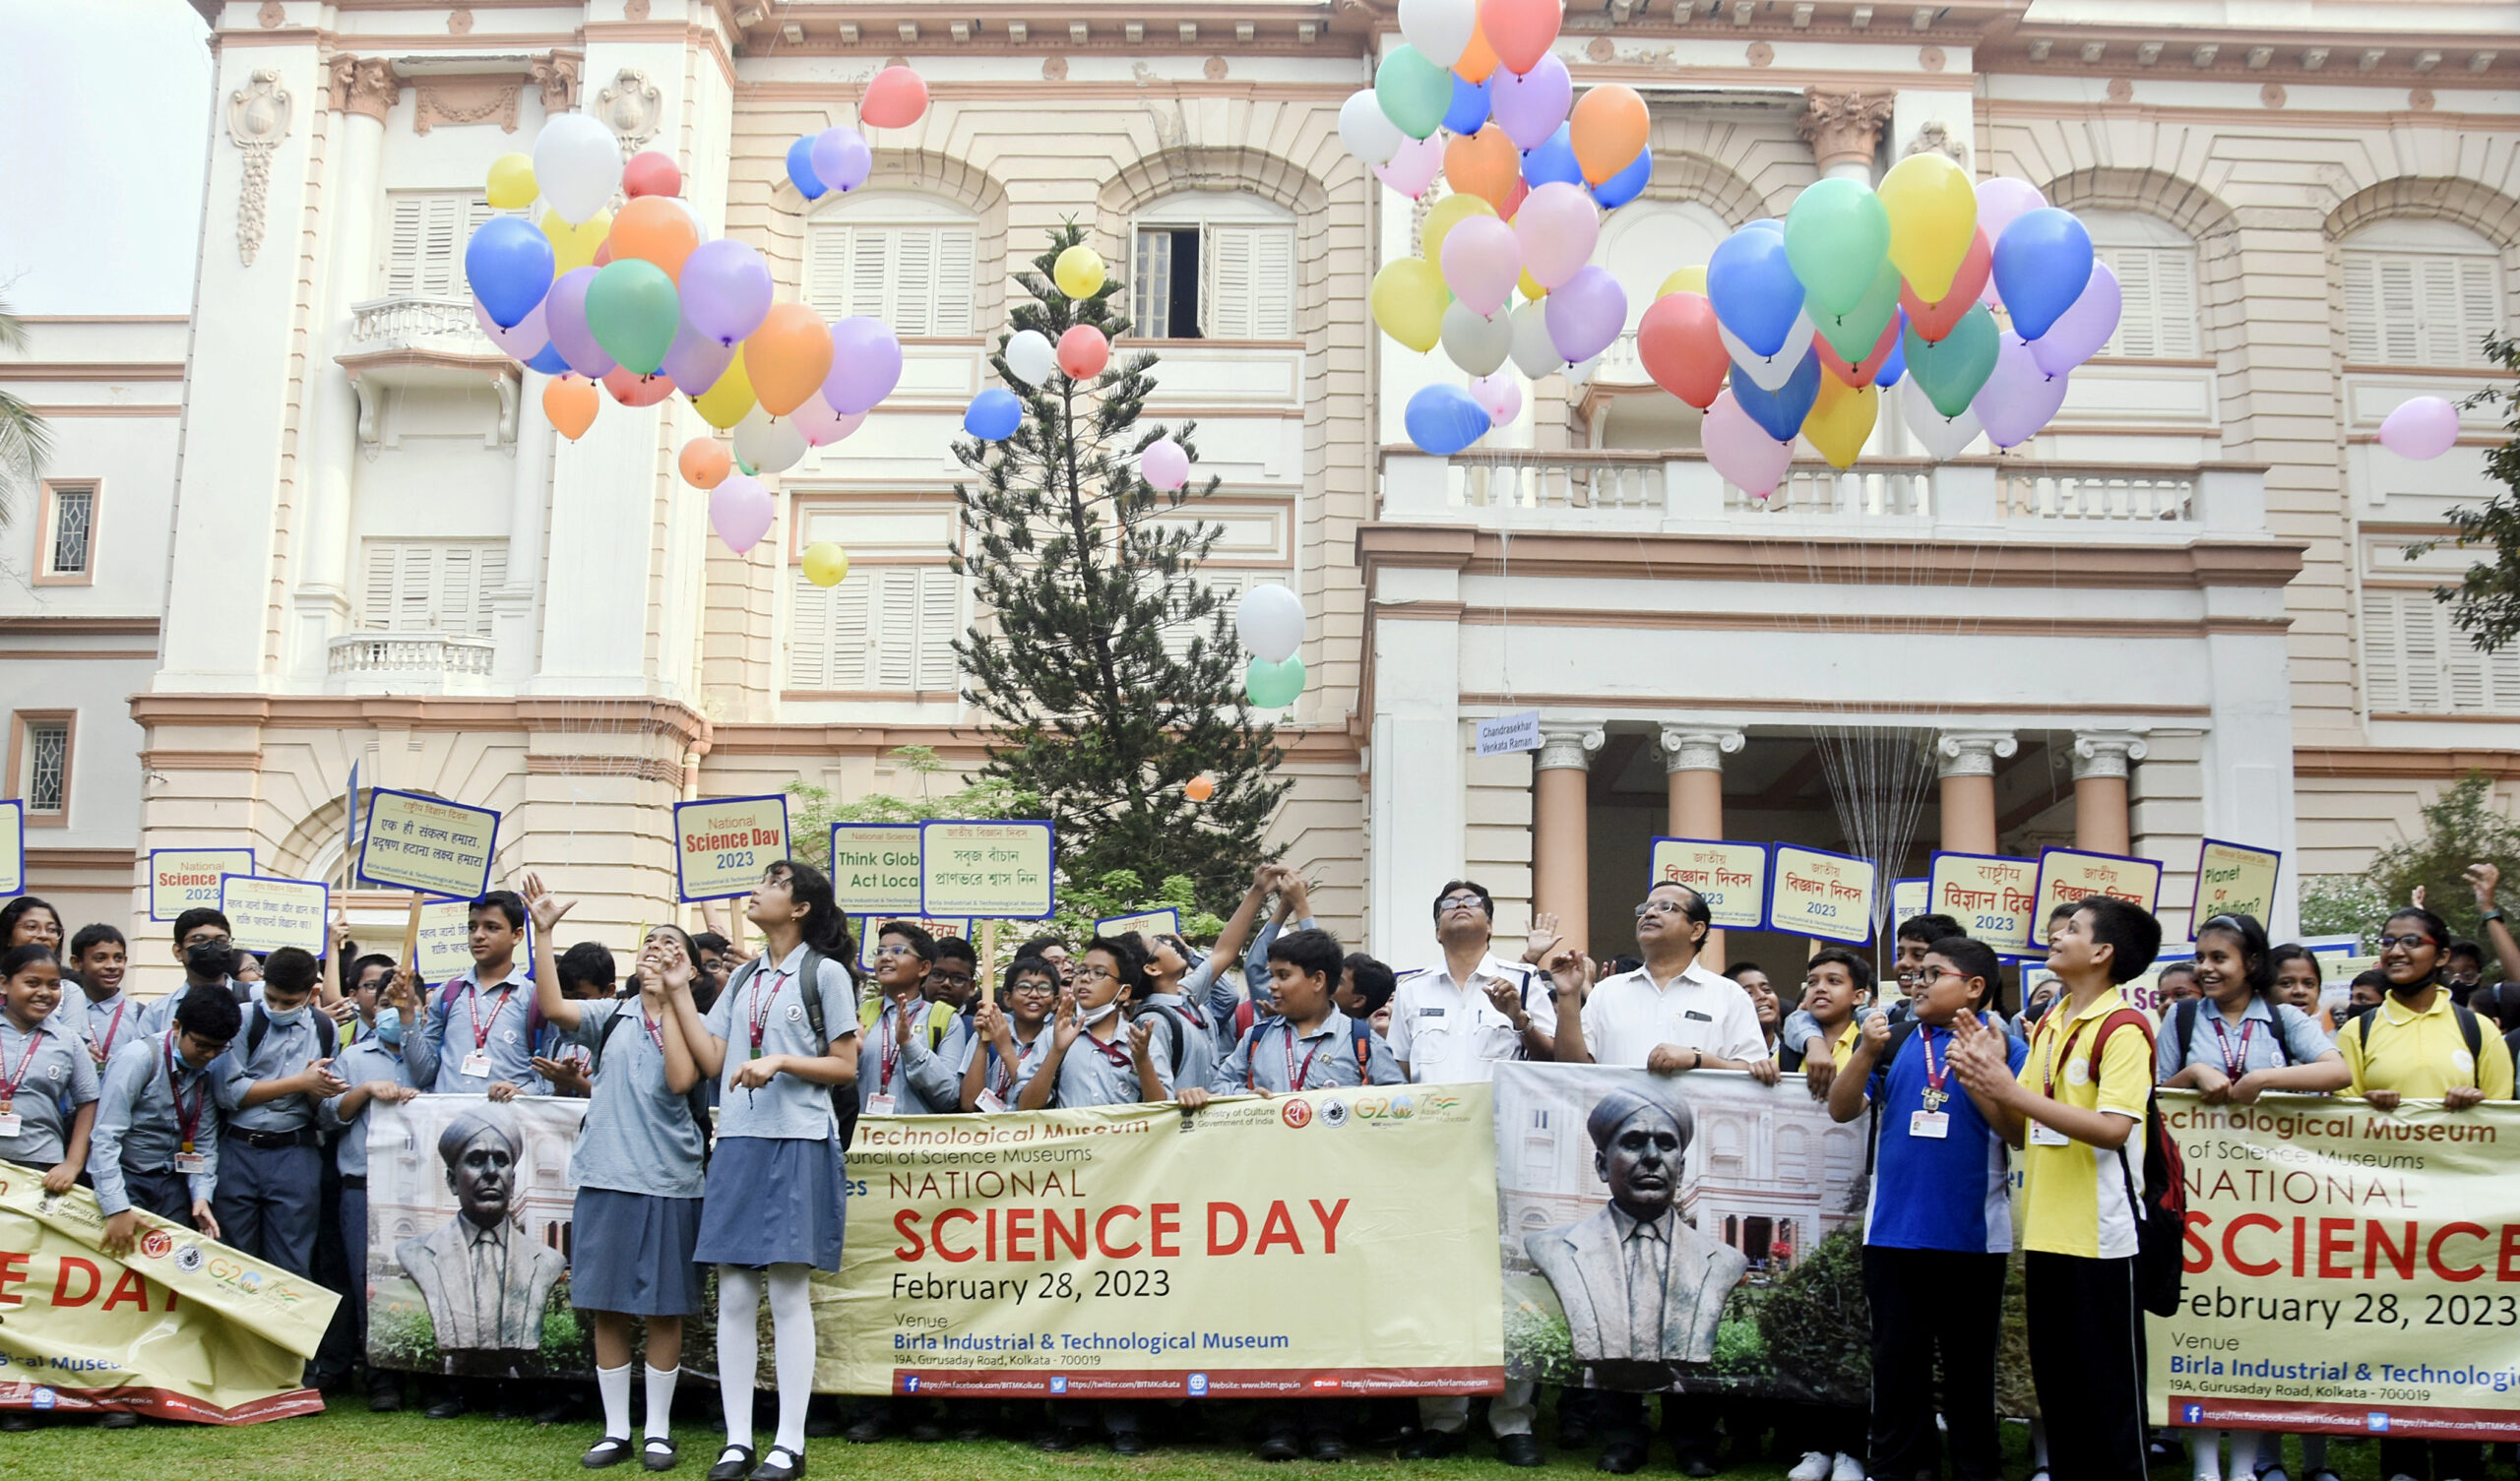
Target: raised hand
{"x": 1543, "y": 940}
{"x": 1065, "y": 1026}
{"x": 1142, "y": 1037}
{"x": 545, "y": 907}
{"x": 2484, "y": 878}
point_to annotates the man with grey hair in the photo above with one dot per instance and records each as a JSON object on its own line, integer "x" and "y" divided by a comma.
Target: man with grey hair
{"x": 485, "y": 1282}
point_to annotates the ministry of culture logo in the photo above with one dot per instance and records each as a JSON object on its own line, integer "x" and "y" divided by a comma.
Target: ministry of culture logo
{"x": 1296, "y": 1114}
{"x": 1334, "y": 1113}
{"x": 156, "y": 1243}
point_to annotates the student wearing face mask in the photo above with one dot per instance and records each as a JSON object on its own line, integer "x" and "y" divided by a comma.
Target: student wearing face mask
{"x": 372, "y": 1069}
{"x": 208, "y": 961}
{"x": 268, "y": 1087}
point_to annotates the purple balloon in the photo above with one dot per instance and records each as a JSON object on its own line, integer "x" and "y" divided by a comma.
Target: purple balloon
{"x": 564, "y": 314}
{"x": 523, "y": 341}
{"x": 1584, "y": 313}
{"x": 1530, "y": 105}
{"x": 696, "y": 361}
{"x": 2079, "y": 332}
{"x": 725, "y": 289}
{"x": 841, "y": 159}
{"x": 2019, "y": 397}
{"x": 865, "y": 366}
{"x": 2422, "y": 427}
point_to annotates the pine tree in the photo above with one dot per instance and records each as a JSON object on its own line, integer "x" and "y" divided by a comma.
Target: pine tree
{"x": 1085, "y": 569}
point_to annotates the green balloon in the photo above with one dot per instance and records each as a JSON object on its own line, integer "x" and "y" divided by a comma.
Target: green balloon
{"x": 1273, "y": 686}
{"x": 1952, "y": 370}
{"x": 633, "y": 312}
{"x": 1854, "y": 334}
{"x": 1413, "y": 91}
{"x": 1837, "y": 236}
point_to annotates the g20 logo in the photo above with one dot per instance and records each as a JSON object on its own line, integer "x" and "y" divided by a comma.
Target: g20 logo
{"x": 1385, "y": 1108}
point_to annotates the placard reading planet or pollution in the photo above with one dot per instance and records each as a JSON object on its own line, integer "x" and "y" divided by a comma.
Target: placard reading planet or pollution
{"x": 1731, "y": 878}
{"x": 1994, "y": 898}
{"x": 427, "y": 843}
{"x": 1146, "y": 923}
{"x": 2067, "y": 874}
{"x": 265, "y": 914}
{"x": 722, "y": 845}
{"x": 187, "y": 879}
{"x": 874, "y": 866}
{"x": 1819, "y": 893}
{"x": 994, "y": 869}
{"x": 2234, "y": 878}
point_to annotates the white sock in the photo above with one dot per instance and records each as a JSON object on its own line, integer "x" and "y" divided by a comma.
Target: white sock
{"x": 2038, "y": 1439}
{"x": 791, "y": 1330}
{"x": 2208, "y": 1447}
{"x": 2244, "y": 1461}
{"x": 661, "y": 1381}
{"x": 739, "y": 1348}
{"x": 614, "y": 1385}
{"x": 2313, "y": 1455}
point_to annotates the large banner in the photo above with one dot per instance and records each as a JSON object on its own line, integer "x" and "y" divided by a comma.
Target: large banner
{"x": 2349, "y": 1272}
{"x": 188, "y": 1329}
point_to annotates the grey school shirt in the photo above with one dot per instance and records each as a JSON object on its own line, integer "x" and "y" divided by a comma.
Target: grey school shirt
{"x": 497, "y": 1017}
{"x": 137, "y": 1126}
{"x": 1003, "y": 1077}
{"x": 55, "y": 1076}
{"x": 1199, "y": 1049}
{"x": 922, "y": 1081}
{"x": 363, "y": 1063}
{"x": 637, "y": 1136}
{"x": 285, "y": 1050}
{"x": 107, "y": 1024}
{"x": 2254, "y": 1045}
{"x": 1088, "y": 1075}
{"x": 770, "y": 996}
{"x": 1276, "y": 1057}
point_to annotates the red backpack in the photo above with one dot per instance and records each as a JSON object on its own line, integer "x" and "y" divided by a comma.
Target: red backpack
{"x": 2161, "y": 1207}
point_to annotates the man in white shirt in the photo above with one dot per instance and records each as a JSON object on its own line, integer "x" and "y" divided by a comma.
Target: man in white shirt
{"x": 1670, "y": 1016}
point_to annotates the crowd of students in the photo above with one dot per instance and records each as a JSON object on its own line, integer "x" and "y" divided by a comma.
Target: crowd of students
{"x": 238, "y": 1105}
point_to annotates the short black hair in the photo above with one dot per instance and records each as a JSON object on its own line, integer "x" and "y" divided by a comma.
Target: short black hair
{"x": 506, "y": 901}
{"x": 208, "y": 1013}
{"x": 709, "y": 941}
{"x": 2433, "y": 925}
{"x": 1310, "y": 952}
{"x": 1039, "y": 943}
{"x": 2257, "y": 961}
{"x": 292, "y": 969}
{"x": 588, "y": 964}
{"x": 197, "y": 916}
{"x": 1486, "y": 900}
{"x": 2185, "y": 966}
{"x": 1735, "y": 970}
{"x": 2293, "y": 951}
{"x": 1927, "y": 928}
{"x": 1374, "y": 981}
{"x": 1023, "y": 966}
{"x": 1971, "y": 957}
{"x": 1696, "y": 912}
{"x": 1128, "y": 954}
{"x": 2469, "y": 949}
{"x": 1856, "y": 967}
{"x": 921, "y": 945}
{"x": 359, "y": 968}
{"x": 18, "y": 959}
{"x": 92, "y": 936}
{"x": 956, "y": 949}
{"x": 2128, "y": 930}
{"x": 2372, "y": 979}
{"x": 1625, "y": 963}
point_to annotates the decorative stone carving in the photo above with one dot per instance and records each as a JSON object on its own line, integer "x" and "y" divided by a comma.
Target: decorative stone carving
{"x": 2271, "y": 94}
{"x": 556, "y": 74}
{"x": 365, "y": 85}
{"x": 1054, "y": 69}
{"x": 1934, "y": 138}
{"x": 1568, "y": 744}
{"x": 2106, "y": 753}
{"x": 1971, "y": 753}
{"x": 1698, "y": 747}
{"x": 633, "y": 10}
{"x": 632, "y": 107}
{"x": 271, "y": 15}
{"x": 258, "y": 117}
{"x": 1761, "y": 54}
{"x": 465, "y": 99}
{"x": 459, "y": 21}
{"x": 1843, "y": 128}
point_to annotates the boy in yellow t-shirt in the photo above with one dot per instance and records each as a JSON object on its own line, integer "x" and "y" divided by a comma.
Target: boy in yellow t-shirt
{"x": 2078, "y": 1103}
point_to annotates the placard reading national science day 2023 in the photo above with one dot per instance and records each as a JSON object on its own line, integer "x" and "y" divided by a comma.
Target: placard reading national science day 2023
{"x": 723, "y": 847}
{"x": 187, "y": 879}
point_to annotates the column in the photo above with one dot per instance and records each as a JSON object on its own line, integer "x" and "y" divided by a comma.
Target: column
{"x": 1844, "y": 130}
{"x": 1562, "y": 830}
{"x": 1965, "y": 761}
{"x": 512, "y": 609}
{"x": 1693, "y": 771}
{"x": 2102, "y": 759}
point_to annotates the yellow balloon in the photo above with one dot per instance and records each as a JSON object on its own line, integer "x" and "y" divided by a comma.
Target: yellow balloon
{"x": 1448, "y": 212}
{"x": 1530, "y": 287}
{"x": 726, "y": 403}
{"x": 826, "y": 563}
{"x": 1408, "y": 299}
{"x": 1841, "y": 418}
{"x": 573, "y": 247}
{"x": 1934, "y": 217}
{"x": 1079, "y": 271}
{"x": 511, "y": 186}
{"x": 1686, "y": 280}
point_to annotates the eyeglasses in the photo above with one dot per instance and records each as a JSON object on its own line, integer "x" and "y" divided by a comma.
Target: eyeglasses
{"x": 1461, "y": 902}
{"x": 2409, "y": 942}
{"x": 896, "y": 949}
{"x": 1661, "y": 908}
{"x": 1098, "y": 974}
{"x": 1044, "y": 989}
{"x": 951, "y": 979}
{"x": 1936, "y": 974}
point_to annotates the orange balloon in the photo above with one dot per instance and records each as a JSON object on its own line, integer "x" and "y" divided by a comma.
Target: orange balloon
{"x": 787, "y": 357}
{"x": 570, "y": 404}
{"x": 1485, "y": 165}
{"x": 1521, "y": 31}
{"x": 704, "y": 462}
{"x": 1608, "y": 127}
{"x": 637, "y": 390}
{"x": 1200, "y": 789}
{"x": 657, "y": 229}
{"x": 1083, "y": 352}
{"x": 1477, "y": 59}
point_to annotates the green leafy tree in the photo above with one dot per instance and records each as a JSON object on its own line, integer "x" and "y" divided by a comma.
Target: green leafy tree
{"x": 937, "y": 796}
{"x": 1086, "y": 569}
{"x": 24, "y": 438}
{"x": 2486, "y": 603}
{"x": 2461, "y": 826}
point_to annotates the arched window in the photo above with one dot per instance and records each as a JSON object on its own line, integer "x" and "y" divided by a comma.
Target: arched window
{"x": 1209, "y": 266}
{"x": 2420, "y": 293}
{"x": 2156, "y": 268}
{"x": 906, "y": 258}
{"x": 1643, "y": 242}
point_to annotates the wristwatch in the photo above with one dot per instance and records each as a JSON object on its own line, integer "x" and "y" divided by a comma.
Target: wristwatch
{"x": 2493, "y": 914}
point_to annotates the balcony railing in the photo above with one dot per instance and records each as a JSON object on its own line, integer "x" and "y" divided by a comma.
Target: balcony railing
{"x": 420, "y": 659}
{"x": 444, "y": 323}
{"x": 2045, "y": 491}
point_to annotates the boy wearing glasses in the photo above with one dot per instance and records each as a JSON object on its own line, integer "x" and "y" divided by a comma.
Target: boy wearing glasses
{"x": 904, "y": 1074}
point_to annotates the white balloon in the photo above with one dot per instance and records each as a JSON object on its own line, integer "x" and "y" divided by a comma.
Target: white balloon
{"x": 576, "y": 163}
{"x": 1368, "y": 133}
{"x": 768, "y": 445}
{"x": 1440, "y": 30}
{"x": 1031, "y": 356}
{"x": 1944, "y": 437}
{"x": 1580, "y": 372}
{"x": 1479, "y": 346}
{"x": 1535, "y": 351}
{"x": 1769, "y": 372}
{"x": 1270, "y": 621}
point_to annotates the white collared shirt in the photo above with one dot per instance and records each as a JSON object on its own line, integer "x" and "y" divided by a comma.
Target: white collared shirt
{"x": 1699, "y": 1009}
{"x": 1447, "y": 1033}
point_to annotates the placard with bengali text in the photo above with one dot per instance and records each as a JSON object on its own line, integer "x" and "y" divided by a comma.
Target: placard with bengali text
{"x": 446, "y": 939}
{"x": 12, "y": 846}
{"x": 874, "y": 867}
{"x": 187, "y": 879}
{"x": 2069, "y": 874}
{"x": 866, "y": 926}
{"x": 1731, "y": 878}
{"x": 1820, "y": 894}
{"x": 1994, "y": 898}
{"x": 427, "y": 843}
{"x": 984, "y": 868}
{"x": 266, "y": 914}
{"x": 1908, "y": 900}
{"x": 1146, "y": 923}
{"x": 2234, "y": 878}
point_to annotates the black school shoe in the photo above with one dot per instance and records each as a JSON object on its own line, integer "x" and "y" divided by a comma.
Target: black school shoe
{"x": 734, "y": 1463}
{"x": 780, "y": 1464}
{"x": 611, "y": 1449}
{"x": 658, "y": 1454}
{"x": 1620, "y": 1460}
{"x": 1520, "y": 1451}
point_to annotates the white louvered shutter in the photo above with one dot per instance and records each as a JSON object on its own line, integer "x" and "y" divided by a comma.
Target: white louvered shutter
{"x": 426, "y": 241}
{"x": 939, "y": 623}
{"x": 1151, "y": 288}
{"x": 1247, "y": 285}
{"x": 827, "y": 633}
{"x": 919, "y": 280}
{"x": 957, "y": 280}
{"x": 2412, "y": 308}
{"x": 913, "y": 285}
{"x": 376, "y": 595}
{"x": 431, "y": 586}
{"x": 897, "y": 626}
{"x": 2159, "y": 287}
{"x": 829, "y": 269}
{"x": 1229, "y": 585}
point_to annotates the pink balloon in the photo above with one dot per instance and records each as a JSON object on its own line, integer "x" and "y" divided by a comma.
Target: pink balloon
{"x": 821, "y": 425}
{"x": 1529, "y": 106}
{"x": 2423, "y": 427}
{"x": 2079, "y": 332}
{"x": 2002, "y": 200}
{"x": 522, "y": 341}
{"x": 1165, "y": 464}
{"x": 740, "y": 511}
{"x": 1741, "y": 450}
{"x": 2019, "y": 397}
{"x": 1557, "y": 228}
{"x": 1584, "y": 313}
{"x": 1482, "y": 259}
{"x": 1500, "y": 395}
{"x": 1414, "y": 168}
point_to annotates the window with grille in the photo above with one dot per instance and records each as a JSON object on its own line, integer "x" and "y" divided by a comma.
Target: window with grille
{"x": 2420, "y": 293}
{"x": 430, "y": 585}
{"x": 908, "y": 261}
{"x": 425, "y": 240}
{"x": 2416, "y": 663}
{"x": 44, "y": 765}
{"x": 1212, "y": 267}
{"x": 2156, "y": 268}
{"x": 69, "y": 538}
{"x": 887, "y": 627}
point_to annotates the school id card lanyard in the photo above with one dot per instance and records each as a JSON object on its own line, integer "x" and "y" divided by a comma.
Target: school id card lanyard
{"x": 2041, "y": 1133}
{"x": 187, "y": 1123}
{"x": 113, "y": 1027}
{"x": 10, "y": 1121}
{"x": 1932, "y": 1123}
{"x": 477, "y": 1065}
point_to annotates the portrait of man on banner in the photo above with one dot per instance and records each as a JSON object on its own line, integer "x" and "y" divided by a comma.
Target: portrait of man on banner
{"x": 486, "y": 1283}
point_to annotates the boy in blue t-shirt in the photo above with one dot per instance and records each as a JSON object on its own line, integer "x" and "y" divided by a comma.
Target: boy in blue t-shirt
{"x": 1939, "y": 1225}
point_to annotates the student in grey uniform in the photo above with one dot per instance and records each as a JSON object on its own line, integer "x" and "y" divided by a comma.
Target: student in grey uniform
{"x": 376, "y": 1067}
{"x": 1293, "y": 912}
{"x": 47, "y": 1078}
{"x": 483, "y": 1023}
{"x": 269, "y": 1088}
{"x": 906, "y": 1073}
{"x": 1008, "y": 1035}
{"x": 638, "y": 1167}
{"x": 207, "y": 958}
{"x": 102, "y": 959}
{"x": 1194, "y": 988}
{"x": 781, "y": 1042}
{"x": 156, "y": 1142}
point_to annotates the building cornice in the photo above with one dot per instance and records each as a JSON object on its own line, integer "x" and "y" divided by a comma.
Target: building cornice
{"x": 537, "y": 713}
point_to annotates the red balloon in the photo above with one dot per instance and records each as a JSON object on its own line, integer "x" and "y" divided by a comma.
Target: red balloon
{"x": 603, "y": 254}
{"x": 1083, "y": 352}
{"x": 1859, "y": 375}
{"x": 1520, "y": 31}
{"x": 1939, "y": 318}
{"x": 894, "y": 100}
{"x": 1681, "y": 348}
{"x": 651, "y": 172}
{"x": 637, "y": 390}
{"x": 1519, "y": 192}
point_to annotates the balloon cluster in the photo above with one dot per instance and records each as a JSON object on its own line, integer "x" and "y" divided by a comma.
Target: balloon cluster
{"x": 1081, "y": 353}
{"x": 1270, "y": 621}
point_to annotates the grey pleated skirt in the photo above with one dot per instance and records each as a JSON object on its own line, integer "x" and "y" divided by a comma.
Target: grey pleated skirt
{"x": 774, "y": 1200}
{"x": 631, "y": 1251}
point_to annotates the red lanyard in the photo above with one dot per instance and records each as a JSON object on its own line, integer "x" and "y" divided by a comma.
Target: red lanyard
{"x": 655, "y": 1029}
{"x": 1935, "y": 1073}
{"x": 8, "y": 1086}
{"x": 1296, "y": 1077}
{"x": 1110, "y": 1051}
{"x": 759, "y": 1015}
{"x": 187, "y": 1121}
{"x": 2234, "y": 1067}
{"x": 481, "y": 1026}
{"x": 891, "y": 1053}
{"x": 2050, "y": 1071}
{"x": 107, "y": 1049}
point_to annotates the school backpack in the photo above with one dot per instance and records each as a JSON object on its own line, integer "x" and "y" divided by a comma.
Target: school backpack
{"x": 1360, "y": 1039}
{"x": 2469, "y": 1030}
{"x": 2160, "y": 1232}
{"x": 261, "y": 1028}
{"x": 696, "y": 1100}
{"x": 2184, "y": 1022}
{"x": 941, "y": 1018}
{"x": 1181, "y": 1029}
{"x": 809, "y": 987}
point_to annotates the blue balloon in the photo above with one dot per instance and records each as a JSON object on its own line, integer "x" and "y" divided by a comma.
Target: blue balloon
{"x": 1765, "y": 223}
{"x": 800, "y": 169}
{"x": 1469, "y": 111}
{"x": 509, "y": 263}
{"x": 1444, "y": 419}
{"x": 2043, "y": 264}
{"x": 994, "y": 414}
{"x": 1627, "y": 184}
{"x": 1897, "y": 365}
{"x": 1782, "y": 410}
{"x": 1553, "y": 161}
{"x": 548, "y": 360}
{"x": 1753, "y": 289}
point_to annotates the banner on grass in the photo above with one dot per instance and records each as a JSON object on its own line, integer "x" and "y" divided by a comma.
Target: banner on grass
{"x": 188, "y": 1329}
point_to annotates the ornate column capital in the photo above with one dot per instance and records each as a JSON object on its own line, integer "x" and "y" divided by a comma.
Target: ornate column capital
{"x": 1971, "y": 753}
{"x": 2107, "y": 753}
{"x": 556, "y": 74}
{"x": 365, "y": 85}
{"x": 1843, "y": 128}
{"x": 1568, "y": 744}
{"x": 1698, "y": 747}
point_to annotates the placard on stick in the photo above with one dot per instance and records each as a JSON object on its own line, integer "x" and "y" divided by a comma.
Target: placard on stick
{"x": 266, "y": 914}
{"x": 2069, "y": 874}
{"x": 2234, "y": 878}
{"x": 1731, "y": 878}
{"x": 185, "y": 879}
{"x": 722, "y": 845}
{"x": 874, "y": 867}
{"x": 1820, "y": 894}
{"x": 427, "y": 843}
{"x": 12, "y": 846}
{"x": 866, "y": 927}
{"x": 1994, "y": 898}
{"x": 992, "y": 869}
{"x": 1146, "y": 923}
